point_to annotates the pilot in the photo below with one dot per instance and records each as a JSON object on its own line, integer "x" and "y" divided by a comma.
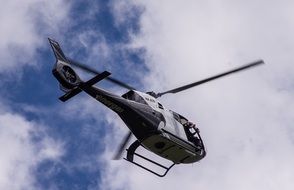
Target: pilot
{"x": 191, "y": 136}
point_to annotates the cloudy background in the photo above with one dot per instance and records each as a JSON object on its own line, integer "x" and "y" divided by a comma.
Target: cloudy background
{"x": 246, "y": 119}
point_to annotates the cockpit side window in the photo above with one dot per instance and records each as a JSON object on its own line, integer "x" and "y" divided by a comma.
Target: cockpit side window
{"x": 139, "y": 99}
{"x": 131, "y": 95}
{"x": 180, "y": 118}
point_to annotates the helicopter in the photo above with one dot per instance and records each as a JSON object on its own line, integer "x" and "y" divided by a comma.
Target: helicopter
{"x": 156, "y": 128}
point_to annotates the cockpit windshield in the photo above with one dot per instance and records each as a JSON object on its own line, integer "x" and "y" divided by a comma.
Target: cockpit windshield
{"x": 132, "y": 95}
{"x": 190, "y": 129}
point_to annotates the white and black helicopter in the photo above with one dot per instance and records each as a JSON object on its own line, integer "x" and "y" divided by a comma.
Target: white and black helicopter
{"x": 156, "y": 128}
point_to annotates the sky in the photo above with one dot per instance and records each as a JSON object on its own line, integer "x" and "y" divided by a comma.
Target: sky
{"x": 246, "y": 119}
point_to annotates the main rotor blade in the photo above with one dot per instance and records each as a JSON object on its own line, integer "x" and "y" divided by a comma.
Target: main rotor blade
{"x": 122, "y": 146}
{"x": 93, "y": 71}
{"x": 182, "y": 88}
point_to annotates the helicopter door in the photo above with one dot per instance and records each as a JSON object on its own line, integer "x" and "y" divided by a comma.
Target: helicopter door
{"x": 174, "y": 127}
{"x": 180, "y": 130}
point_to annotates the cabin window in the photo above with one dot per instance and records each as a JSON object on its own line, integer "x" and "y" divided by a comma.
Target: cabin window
{"x": 160, "y": 106}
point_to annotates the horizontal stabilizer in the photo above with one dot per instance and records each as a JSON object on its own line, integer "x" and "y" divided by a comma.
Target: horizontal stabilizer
{"x": 70, "y": 94}
{"x": 97, "y": 78}
{"x": 76, "y": 90}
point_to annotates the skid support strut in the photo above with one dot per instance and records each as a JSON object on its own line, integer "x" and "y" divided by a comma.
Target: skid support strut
{"x": 130, "y": 157}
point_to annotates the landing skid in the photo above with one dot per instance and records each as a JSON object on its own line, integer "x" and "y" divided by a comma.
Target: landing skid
{"x": 130, "y": 157}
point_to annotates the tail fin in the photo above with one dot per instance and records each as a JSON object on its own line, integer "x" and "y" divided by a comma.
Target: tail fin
{"x": 57, "y": 51}
{"x": 62, "y": 71}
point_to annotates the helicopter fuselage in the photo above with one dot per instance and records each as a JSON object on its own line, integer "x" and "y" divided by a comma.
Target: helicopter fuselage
{"x": 152, "y": 124}
{"x": 155, "y": 127}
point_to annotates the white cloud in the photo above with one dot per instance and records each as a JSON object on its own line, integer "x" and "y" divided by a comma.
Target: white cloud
{"x": 21, "y": 153}
{"x": 25, "y": 144}
{"x": 96, "y": 46}
{"x": 124, "y": 11}
{"x": 246, "y": 119}
{"x": 22, "y": 32}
